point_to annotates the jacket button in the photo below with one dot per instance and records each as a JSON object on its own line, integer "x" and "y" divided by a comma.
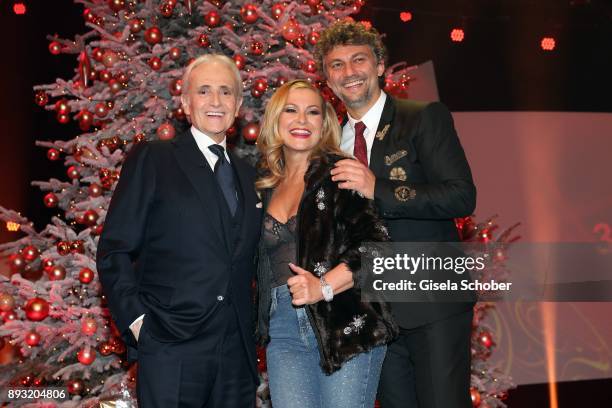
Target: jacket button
{"x": 220, "y": 298}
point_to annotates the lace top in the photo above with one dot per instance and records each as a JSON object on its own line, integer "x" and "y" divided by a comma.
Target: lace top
{"x": 279, "y": 241}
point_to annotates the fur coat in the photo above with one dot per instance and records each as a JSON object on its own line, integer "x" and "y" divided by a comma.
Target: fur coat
{"x": 332, "y": 224}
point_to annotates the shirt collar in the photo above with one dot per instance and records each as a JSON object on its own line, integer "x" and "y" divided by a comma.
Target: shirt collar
{"x": 203, "y": 140}
{"x": 372, "y": 116}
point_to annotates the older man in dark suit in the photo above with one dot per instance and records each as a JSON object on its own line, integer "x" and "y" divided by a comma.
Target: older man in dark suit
{"x": 410, "y": 161}
{"x": 176, "y": 255}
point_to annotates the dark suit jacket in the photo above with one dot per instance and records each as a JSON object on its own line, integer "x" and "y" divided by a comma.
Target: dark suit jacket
{"x": 423, "y": 182}
{"x": 166, "y": 249}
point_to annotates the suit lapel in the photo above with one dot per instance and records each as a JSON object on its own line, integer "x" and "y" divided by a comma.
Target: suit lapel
{"x": 193, "y": 164}
{"x": 384, "y": 128}
{"x": 248, "y": 204}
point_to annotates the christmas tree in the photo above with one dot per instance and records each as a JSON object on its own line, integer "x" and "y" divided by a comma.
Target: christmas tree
{"x": 125, "y": 91}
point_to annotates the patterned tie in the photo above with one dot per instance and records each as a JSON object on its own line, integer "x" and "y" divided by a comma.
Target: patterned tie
{"x": 225, "y": 177}
{"x": 360, "y": 150}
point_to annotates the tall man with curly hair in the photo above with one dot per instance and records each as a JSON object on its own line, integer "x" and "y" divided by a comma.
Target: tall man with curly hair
{"x": 411, "y": 163}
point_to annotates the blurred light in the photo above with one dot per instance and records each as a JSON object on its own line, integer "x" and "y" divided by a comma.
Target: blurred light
{"x": 19, "y": 8}
{"x": 457, "y": 35}
{"x": 12, "y": 226}
{"x": 406, "y": 16}
{"x": 548, "y": 43}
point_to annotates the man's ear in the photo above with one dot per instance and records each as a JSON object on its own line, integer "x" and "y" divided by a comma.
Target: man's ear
{"x": 380, "y": 68}
{"x": 185, "y": 104}
{"x": 238, "y": 105}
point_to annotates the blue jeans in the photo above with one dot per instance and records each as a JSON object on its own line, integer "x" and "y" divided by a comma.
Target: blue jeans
{"x": 297, "y": 380}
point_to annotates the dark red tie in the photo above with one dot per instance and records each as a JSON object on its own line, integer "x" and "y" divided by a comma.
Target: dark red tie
{"x": 360, "y": 150}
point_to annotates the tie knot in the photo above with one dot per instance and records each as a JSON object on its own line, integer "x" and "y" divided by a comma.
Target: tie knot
{"x": 359, "y": 128}
{"x": 218, "y": 150}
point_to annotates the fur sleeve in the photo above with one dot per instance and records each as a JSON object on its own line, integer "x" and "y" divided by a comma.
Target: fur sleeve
{"x": 357, "y": 223}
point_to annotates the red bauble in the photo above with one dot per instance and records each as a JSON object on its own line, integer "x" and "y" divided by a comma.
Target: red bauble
{"x": 136, "y": 25}
{"x": 96, "y": 230}
{"x": 32, "y": 272}
{"x": 75, "y": 387}
{"x": 259, "y": 87}
{"x": 486, "y": 339}
{"x": 7, "y": 302}
{"x": 203, "y": 41}
{"x": 240, "y": 61}
{"x": 166, "y": 9}
{"x": 114, "y": 86}
{"x": 101, "y": 110}
{"x": 117, "y": 345}
{"x": 250, "y": 132}
{"x": 475, "y": 395}
{"x": 73, "y": 173}
{"x": 116, "y": 5}
{"x": 8, "y": 316}
{"x": 105, "y": 349}
{"x": 256, "y": 48}
{"x": 63, "y": 248}
{"x": 97, "y": 54}
{"x": 105, "y": 75}
{"x": 50, "y": 200}
{"x": 30, "y": 253}
{"x": 62, "y": 107}
{"x": 155, "y": 63}
{"x": 89, "y": 326}
{"x": 212, "y": 19}
{"x": 313, "y": 37}
{"x": 86, "y": 275}
{"x": 175, "y": 53}
{"x": 176, "y": 87}
{"x": 16, "y": 263}
{"x": 277, "y": 10}
{"x": 291, "y": 30}
{"x": 63, "y": 118}
{"x": 178, "y": 114}
{"x": 85, "y": 119}
{"x": 90, "y": 218}
{"x": 110, "y": 58}
{"x": 166, "y": 131}
{"x": 310, "y": 66}
{"x": 57, "y": 272}
{"x": 89, "y": 16}
{"x": 53, "y": 154}
{"x": 95, "y": 190}
{"x": 55, "y": 48}
{"x": 77, "y": 246}
{"x": 249, "y": 13}
{"x": 123, "y": 78}
{"x": 41, "y": 98}
{"x": 32, "y": 339}
{"x": 153, "y": 35}
{"x": 47, "y": 264}
{"x": 36, "y": 309}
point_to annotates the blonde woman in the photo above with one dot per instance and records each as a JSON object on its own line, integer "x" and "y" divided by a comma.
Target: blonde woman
{"x": 325, "y": 347}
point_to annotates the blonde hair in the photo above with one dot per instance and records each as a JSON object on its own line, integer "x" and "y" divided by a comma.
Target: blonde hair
{"x": 271, "y": 165}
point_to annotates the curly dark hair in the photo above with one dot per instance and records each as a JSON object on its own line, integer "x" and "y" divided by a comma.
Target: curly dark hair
{"x": 349, "y": 32}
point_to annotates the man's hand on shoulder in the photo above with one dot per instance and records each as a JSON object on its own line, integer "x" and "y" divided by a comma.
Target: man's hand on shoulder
{"x": 354, "y": 175}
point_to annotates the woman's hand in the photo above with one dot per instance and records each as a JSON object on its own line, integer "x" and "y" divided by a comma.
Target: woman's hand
{"x": 305, "y": 288}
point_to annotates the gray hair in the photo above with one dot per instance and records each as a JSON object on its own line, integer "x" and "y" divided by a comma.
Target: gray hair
{"x": 206, "y": 59}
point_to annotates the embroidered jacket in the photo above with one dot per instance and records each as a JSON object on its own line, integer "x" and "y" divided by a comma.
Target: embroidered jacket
{"x": 332, "y": 225}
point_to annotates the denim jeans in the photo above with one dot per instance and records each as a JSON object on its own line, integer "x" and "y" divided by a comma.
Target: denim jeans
{"x": 297, "y": 380}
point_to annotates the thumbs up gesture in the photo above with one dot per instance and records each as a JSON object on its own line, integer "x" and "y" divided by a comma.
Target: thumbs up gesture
{"x": 305, "y": 288}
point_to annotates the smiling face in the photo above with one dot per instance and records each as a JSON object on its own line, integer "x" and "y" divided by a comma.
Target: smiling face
{"x": 301, "y": 120}
{"x": 212, "y": 100}
{"x": 352, "y": 73}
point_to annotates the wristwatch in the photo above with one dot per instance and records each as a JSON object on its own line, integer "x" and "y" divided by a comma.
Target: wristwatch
{"x": 327, "y": 290}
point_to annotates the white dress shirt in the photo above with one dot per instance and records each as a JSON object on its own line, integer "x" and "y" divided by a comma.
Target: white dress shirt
{"x": 370, "y": 120}
{"x": 203, "y": 141}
